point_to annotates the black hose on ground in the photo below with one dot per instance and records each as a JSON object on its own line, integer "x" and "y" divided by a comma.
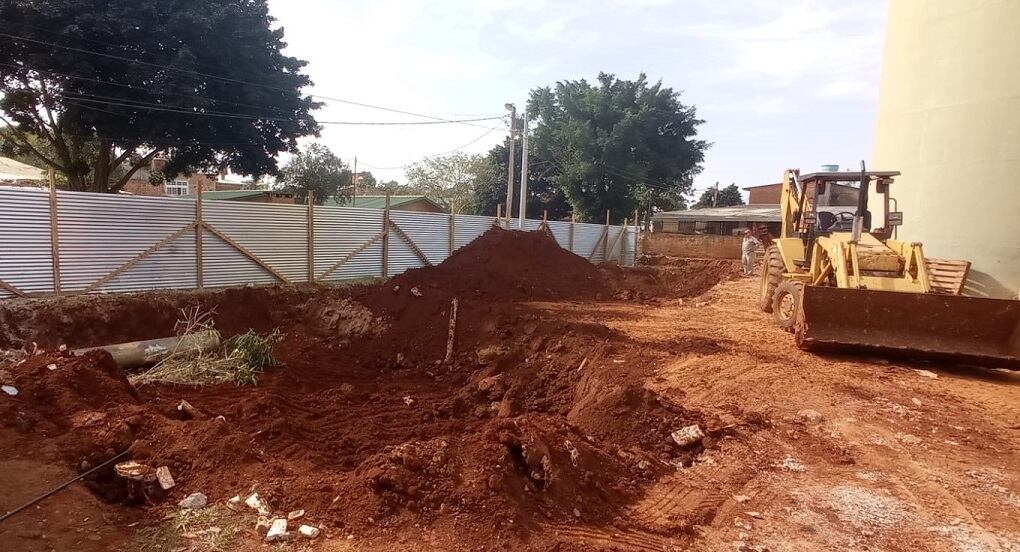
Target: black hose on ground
{"x": 59, "y": 488}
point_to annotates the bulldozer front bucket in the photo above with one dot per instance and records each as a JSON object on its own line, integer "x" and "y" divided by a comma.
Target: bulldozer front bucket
{"x": 954, "y": 328}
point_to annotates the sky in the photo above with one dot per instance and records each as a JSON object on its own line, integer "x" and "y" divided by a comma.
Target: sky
{"x": 778, "y": 83}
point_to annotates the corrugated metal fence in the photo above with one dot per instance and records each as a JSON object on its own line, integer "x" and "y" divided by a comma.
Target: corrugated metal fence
{"x": 77, "y": 242}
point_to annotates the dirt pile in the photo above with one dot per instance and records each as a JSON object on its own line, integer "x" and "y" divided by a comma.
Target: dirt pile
{"x": 509, "y": 265}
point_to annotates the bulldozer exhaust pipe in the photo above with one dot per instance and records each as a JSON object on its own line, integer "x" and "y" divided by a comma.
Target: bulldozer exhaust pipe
{"x": 949, "y": 328}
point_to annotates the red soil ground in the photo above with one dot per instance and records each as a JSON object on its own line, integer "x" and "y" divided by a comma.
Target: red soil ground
{"x": 535, "y": 420}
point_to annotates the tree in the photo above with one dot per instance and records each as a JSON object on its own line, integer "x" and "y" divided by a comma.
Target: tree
{"x": 317, "y": 170}
{"x": 450, "y": 180}
{"x": 365, "y": 180}
{"x": 110, "y": 85}
{"x": 618, "y": 145}
{"x": 723, "y": 197}
{"x": 543, "y": 195}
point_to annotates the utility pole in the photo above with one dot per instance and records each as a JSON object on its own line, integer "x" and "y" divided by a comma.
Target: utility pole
{"x": 715, "y": 195}
{"x": 524, "y": 172}
{"x": 511, "y": 165}
{"x": 354, "y": 183}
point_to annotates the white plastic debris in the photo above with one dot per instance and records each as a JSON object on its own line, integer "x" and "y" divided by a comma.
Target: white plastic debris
{"x": 9, "y": 389}
{"x": 256, "y": 503}
{"x": 687, "y": 436}
{"x": 278, "y": 531}
{"x": 51, "y": 366}
{"x": 166, "y": 481}
{"x": 308, "y": 531}
{"x": 194, "y": 501}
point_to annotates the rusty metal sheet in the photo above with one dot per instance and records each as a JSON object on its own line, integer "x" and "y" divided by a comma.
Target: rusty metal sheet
{"x": 954, "y": 328}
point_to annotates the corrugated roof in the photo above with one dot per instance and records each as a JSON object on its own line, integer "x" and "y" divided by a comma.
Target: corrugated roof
{"x": 16, "y": 170}
{"x": 737, "y": 213}
{"x": 231, "y": 194}
{"x": 379, "y": 201}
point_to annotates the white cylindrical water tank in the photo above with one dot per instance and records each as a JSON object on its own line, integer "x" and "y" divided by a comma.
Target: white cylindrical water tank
{"x": 949, "y": 120}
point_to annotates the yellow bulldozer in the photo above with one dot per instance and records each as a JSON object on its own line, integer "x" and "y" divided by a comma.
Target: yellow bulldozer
{"x": 838, "y": 279}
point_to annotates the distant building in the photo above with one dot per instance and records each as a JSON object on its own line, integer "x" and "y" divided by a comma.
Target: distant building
{"x": 180, "y": 185}
{"x": 834, "y": 194}
{"x": 17, "y": 173}
{"x": 417, "y": 203}
{"x": 250, "y": 196}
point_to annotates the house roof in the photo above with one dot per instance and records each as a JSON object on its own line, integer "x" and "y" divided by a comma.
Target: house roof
{"x": 379, "y": 201}
{"x": 737, "y": 213}
{"x": 236, "y": 194}
{"x": 16, "y": 170}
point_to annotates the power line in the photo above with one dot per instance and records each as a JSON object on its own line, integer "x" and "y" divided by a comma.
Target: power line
{"x": 227, "y": 79}
{"x": 185, "y": 111}
{"x": 458, "y": 148}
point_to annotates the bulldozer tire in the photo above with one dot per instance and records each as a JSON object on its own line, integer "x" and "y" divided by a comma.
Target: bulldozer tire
{"x": 771, "y": 274}
{"x": 786, "y": 304}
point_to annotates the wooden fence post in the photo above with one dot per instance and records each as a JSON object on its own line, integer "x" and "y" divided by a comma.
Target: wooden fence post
{"x": 453, "y": 234}
{"x": 623, "y": 242}
{"x": 605, "y": 244}
{"x": 199, "y": 230}
{"x": 570, "y": 236}
{"x": 311, "y": 236}
{"x": 499, "y": 214}
{"x": 386, "y": 239}
{"x": 637, "y": 232}
{"x": 54, "y": 233}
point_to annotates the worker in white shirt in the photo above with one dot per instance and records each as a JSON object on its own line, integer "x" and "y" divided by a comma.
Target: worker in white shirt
{"x": 748, "y": 249}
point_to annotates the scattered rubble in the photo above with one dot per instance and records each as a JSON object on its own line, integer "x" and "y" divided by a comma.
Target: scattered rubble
{"x": 166, "y": 481}
{"x": 308, "y": 531}
{"x": 278, "y": 531}
{"x": 194, "y": 501}
{"x": 255, "y": 502}
{"x": 810, "y": 416}
{"x": 688, "y": 436}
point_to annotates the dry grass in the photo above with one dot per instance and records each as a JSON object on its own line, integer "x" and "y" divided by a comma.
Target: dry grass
{"x": 241, "y": 359}
{"x": 212, "y": 529}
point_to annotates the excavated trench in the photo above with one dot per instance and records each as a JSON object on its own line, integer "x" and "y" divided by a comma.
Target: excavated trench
{"x": 535, "y": 418}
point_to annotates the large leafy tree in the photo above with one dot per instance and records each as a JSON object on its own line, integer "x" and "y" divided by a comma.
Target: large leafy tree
{"x": 109, "y": 85}
{"x": 451, "y": 179}
{"x": 543, "y": 195}
{"x": 316, "y": 169}
{"x": 720, "y": 197}
{"x": 618, "y": 144}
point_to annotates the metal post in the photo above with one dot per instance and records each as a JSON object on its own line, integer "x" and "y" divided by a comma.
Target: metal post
{"x": 311, "y": 236}
{"x": 199, "y": 230}
{"x": 511, "y": 164}
{"x": 54, "y": 233}
{"x": 386, "y": 239}
{"x": 623, "y": 242}
{"x": 524, "y": 173}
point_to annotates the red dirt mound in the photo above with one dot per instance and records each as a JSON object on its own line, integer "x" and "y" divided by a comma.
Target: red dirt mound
{"x": 509, "y": 265}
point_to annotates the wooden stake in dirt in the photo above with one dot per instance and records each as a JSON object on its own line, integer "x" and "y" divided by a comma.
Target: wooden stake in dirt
{"x": 54, "y": 234}
{"x": 452, "y": 333}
